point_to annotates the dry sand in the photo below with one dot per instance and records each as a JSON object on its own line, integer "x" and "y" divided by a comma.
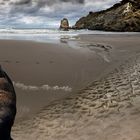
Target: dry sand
{"x": 105, "y": 67}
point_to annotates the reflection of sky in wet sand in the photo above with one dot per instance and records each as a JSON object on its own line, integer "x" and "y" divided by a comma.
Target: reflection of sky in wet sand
{"x": 101, "y": 50}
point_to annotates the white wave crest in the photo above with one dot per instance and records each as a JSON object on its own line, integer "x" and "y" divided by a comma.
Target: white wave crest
{"x": 46, "y": 87}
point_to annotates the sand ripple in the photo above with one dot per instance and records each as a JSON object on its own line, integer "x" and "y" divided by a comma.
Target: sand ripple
{"x": 107, "y": 109}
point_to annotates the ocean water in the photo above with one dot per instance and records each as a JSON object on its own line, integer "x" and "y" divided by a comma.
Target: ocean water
{"x": 48, "y": 35}
{"x": 40, "y": 35}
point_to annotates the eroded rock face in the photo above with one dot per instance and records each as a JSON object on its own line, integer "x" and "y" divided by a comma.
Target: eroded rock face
{"x": 64, "y": 25}
{"x": 7, "y": 106}
{"x": 124, "y": 16}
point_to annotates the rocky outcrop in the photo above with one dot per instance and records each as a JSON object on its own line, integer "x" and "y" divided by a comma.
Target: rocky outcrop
{"x": 64, "y": 25}
{"x": 7, "y": 106}
{"x": 123, "y": 16}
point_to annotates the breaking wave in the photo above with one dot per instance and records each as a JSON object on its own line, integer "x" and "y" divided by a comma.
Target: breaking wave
{"x": 48, "y": 35}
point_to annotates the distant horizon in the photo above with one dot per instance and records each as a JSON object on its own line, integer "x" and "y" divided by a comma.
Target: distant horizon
{"x": 46, "y": 13}
{"x": 52, "y": 25}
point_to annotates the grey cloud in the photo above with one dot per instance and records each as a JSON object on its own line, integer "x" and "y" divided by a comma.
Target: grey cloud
{"x": 40, "y": 2}
{"x": 15, "y": 1}
{"x": 32, "y": 6}
{"x": 35, "y": 5}
{"x": 48, "y": 10}
{"x": 21, "y": 2}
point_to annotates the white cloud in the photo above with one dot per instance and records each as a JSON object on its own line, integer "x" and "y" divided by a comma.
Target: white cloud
{"x": 46, "y": 12}
{"x": 30, "y": 20}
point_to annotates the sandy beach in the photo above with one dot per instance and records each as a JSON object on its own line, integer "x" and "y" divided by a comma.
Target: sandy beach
{"x": 84, "y": 88}
{"x": 44, "y": 72}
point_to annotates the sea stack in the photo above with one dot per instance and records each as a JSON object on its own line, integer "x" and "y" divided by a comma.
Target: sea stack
{"x": 122, "y": 17}
{"x": 64, "y": 25}
{"x": 7, "y": 106}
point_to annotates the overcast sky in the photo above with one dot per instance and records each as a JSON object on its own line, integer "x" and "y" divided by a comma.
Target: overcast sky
{"x": 46, "y": 13}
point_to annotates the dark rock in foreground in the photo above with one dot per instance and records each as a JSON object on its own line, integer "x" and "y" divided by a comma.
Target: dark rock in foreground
{"x": 7, "y": 106}
{"x": 123, "y": 16}
{"x": 64, "y": 25}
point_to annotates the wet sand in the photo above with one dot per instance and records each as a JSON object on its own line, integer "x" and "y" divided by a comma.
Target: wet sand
{"x": 44, "y": 72}
{"x": 88, "y": 92}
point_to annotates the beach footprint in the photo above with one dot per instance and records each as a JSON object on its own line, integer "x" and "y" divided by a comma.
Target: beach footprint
{"x": 77, "y": 117}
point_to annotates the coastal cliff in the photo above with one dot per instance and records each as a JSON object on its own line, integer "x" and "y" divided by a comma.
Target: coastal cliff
{"x": 123, "y": 16}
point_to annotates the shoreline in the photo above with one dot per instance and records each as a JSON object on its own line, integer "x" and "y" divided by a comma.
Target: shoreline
{"x": 54, "y": 36}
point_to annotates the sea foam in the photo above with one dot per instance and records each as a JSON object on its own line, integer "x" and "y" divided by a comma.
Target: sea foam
{"x": 44, "y": 87}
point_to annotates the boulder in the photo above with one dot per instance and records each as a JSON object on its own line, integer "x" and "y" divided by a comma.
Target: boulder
{"x": 7, "y": 106}
{"x": 64, "y": 25}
